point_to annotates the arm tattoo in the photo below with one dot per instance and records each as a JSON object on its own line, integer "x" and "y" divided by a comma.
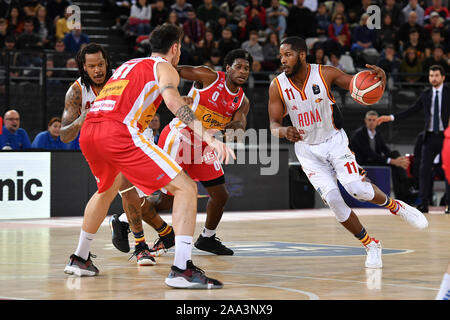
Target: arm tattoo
{"x": 185, "y": 114}
{"x": 71, "y": 120}
{"x": 167, "y": 86}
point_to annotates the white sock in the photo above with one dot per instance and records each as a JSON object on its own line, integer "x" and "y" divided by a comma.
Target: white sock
{"x": 208, "y": 233}
{"x": 183, "y": 250}
{"x": 444, "y": 291}
{"x": 84, "y": 244}
{"x": 123, "y": 218}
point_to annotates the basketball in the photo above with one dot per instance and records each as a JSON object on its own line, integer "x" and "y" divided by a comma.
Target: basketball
{"x": 365, "y": 88}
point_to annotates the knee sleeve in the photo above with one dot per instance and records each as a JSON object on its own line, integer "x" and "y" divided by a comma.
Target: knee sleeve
{"x": 337, "y": 204}
{"x": 360, "y": 190}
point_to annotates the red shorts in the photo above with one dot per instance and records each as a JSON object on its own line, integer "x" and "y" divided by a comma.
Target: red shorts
{"x": 111, "y": 147}
{"x": 196, "y": 158}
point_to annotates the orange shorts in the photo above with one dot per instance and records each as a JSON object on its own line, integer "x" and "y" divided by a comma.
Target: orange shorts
{"x": 111, "y": 147}
{"x": 196, "y": 158}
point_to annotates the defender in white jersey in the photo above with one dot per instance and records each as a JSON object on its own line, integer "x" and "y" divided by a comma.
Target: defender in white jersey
{"x": 302, "y": 91}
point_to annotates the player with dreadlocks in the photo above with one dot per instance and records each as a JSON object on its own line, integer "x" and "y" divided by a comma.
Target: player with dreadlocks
{"x": 94, "y": 68}
{"x": 218, "y": 100}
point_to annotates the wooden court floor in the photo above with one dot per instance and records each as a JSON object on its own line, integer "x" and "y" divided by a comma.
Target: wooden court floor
{"x": 279, "y": 255}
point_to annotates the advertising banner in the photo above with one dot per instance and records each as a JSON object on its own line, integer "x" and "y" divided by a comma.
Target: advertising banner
{"x": 24, "y": 185}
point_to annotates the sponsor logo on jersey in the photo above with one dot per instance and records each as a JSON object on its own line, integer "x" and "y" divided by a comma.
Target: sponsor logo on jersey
{"x": 309, "y": 118}
{"x": 316, "y": 89}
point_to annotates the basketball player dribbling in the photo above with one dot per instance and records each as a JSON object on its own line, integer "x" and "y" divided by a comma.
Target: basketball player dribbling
{"x": 112, "y": 142}
{"x": 219, "y": 101}
{"x": 321, "y": 145}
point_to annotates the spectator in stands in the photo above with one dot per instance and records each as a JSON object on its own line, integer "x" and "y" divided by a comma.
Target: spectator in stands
{"x": 276, "y": 16}
{"x": 51, "y": 74}
{"x": 5, "y": 7}
{"x": 414, "y": 41}
{"x": 439, "y": 8}
{"x": 44, "y": 26}
{"x": 15, "y": 21}
{"x": 60, "y": 55}
{"x": 3, "y": 32}
{"x": 414, "y": 6}
{"x": 29, "y": 40}
{"x": 436, "y": 40}
{"x": 411, "y": 66}
{"x": 223, "y": 23}
{"x": 256, "y": 15}
{"x": 253, "y": 47}
{"x": 323, "y": 20}
{"x": 30, "y": 7}
{"x": 318, "y": 56}
{"x": 403, "y": 32}
{"x": 10, "y": 45}
{"x": 339, "y": 32}
{"x": 55, "y": 9}
{"x": 436, "y": 22}
{"x": 371, "y": 150}
{"x": 271, "y": 52}
{"x": 120, "y": 10}
{"x": 227, "y": 42}
{"x": 233, "y": 11}
{"x": 160, "y": 14}
{"x": 173, "y": 19}
{"x": 181, "y": 7}
{"x": 208, "y": 12}
{"x": 215, "y": 59}
{"x": 155, "y": 125}
{"x": 339, "y": 8}
{"x": 75, "y": 39}
{"x": 387, "y": 33}
{"x": 242, "y": 31}
{"x": 139, "y": 19}
{"x": 13, "y": 137}
{"x": 49, "y": 139}
{"x": 363, "y": 37}
{"x": 437, "y": 58}
{"x": 193, "y": 27}
{"x": 394, "y": 10}
{"x": 206, "y": 45}
{"x": 301, "y": 21}
{"x": 389, "y": 61}
{"x": 189, "y": 54}
{"x": 61, "y": 28}
{"x": 355, "y": 12}
{"x": 334, "y": 61}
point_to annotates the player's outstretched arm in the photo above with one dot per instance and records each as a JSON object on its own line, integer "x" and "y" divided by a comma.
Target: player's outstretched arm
{"x": 276, "y": 115}
{"x": 168, "y": 83}
{"x": 335, "y": 76}
{"x": 239, "y": 120}
{"x": 72, "y": 120}
{"x": 202, "y": 74}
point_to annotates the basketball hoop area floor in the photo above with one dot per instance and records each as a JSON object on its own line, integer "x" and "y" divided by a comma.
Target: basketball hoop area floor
{"x": 279, "y": 255}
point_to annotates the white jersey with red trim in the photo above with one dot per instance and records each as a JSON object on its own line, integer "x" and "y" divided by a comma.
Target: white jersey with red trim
{"x": 310, "y": 107}
{"x": 88, "y": 95}
{"x": 214, "y": 105}
{"x": 131, "y": 95}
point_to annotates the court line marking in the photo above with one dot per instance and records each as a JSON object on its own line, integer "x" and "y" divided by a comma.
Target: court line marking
{"x": 321, "y": 279}
{"x": 310, "y": 295}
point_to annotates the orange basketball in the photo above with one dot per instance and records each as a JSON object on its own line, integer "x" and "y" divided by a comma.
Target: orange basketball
{"x": 365, "y": 88}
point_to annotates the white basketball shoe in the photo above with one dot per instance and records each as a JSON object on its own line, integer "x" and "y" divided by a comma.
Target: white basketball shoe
{"x": 411, "y": 215}
{"x": 373, "y": 259}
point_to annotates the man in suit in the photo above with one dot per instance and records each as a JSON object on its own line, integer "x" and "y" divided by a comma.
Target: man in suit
{"x": 435, "y": 103}
{"x": 371, "y": 150}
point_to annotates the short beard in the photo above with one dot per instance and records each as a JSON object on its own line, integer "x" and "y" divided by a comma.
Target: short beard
{"x": 295, "y": 69}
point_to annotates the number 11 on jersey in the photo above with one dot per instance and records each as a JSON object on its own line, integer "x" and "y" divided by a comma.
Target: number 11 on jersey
{"x": 351, "y": 166}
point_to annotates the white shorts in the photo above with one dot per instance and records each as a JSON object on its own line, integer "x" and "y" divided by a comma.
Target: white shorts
{"x": 327, "y": 162}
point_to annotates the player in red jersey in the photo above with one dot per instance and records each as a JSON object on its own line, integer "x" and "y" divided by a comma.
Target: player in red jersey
{"x": 112, "y": 142}
{"x": 218, "y": 100}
